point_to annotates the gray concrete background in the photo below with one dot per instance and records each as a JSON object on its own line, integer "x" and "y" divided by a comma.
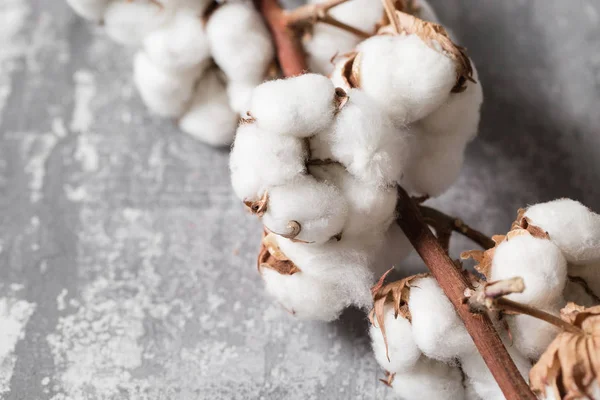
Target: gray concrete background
{"x": 127, "y": 265}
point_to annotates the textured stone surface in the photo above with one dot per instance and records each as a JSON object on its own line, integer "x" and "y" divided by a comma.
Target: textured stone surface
{"x": 126, "y": 264}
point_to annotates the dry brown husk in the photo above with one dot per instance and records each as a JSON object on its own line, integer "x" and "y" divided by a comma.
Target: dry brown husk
{"x": 571, "y": 364}
{"x": 271, "y": 256}
{"x": 396, "y": 294}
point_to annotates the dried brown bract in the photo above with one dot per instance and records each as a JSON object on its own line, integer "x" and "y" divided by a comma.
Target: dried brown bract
{"x": 271, "y": 256}
{"x": 571, "y": 364}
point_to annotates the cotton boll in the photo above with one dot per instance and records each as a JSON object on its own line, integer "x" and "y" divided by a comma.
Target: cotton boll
{"x": 128, "y": 22}
{"x": 299, "y": 106}
{"x": 89, "y": 9}
{"x": 437, "y": 329}
{"x": 401, "y": 348}
{"x": 429, "y": 379}
{"x": 317, "y": 209}
{"x": 395, "y": 249}
{"x": 180, "y": 44}
{"x": 240, "y": 42}
{"x": 532, "y": 336}
{"x": 164, "y": 93}
{"x": 240, "y": 94}
{"x": 364, "y": 140}
{"x": 209, "y": 117}
{"x": 332, "y": 277}
{"x": 539, "y": 262}
{"x": 572, "y": 226}
{"x": 260, "y": 160}
{"x": 590, "y": 274}
{"x": 371, "y": 209}
{"x": 480, "y": 379}
{"x": 407, "y": 78}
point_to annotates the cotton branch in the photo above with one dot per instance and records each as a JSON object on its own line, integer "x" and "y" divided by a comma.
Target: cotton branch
{"x": 454, "y": 283}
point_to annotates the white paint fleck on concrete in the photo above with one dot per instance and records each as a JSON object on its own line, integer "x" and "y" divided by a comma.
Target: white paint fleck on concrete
{"x": 14, "y": 315}
{"x": 35, "y": 149}
{"x": 60, "y": 300}
{"x": 75, "y": 193}
{"x": 86, "y": 153}
{"x": 85, "y": 90}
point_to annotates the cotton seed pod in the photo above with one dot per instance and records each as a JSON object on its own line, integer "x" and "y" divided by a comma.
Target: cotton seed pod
{"x": 371, "y": 209}
{"x": 327, "y": 278}
{"x": 401, "y": 352}
{"x": 365, "y": 141}
{"x": 405, "y": 76}
{"x": 164, "y": 93}
{"x": 180, "y": 44}
{"x": 538, "y": 261}
{"x": 209, "y": 118}
{"x": 429, "y": 379}
{"x": 128, "y": 22}
{"x": 325, "y": 41}
{"x": 89, "y": 9}
{"x": 572, "y": 226}
{"x": 437, "y": 329}
{"x": 479, "y": 379}
{"x": 306, "y": 210}
{"x": 530, "y": 335}
{"x": 300, "y": 106}
{"x": 260, "y": 160}
{"x": 240, "y": 42}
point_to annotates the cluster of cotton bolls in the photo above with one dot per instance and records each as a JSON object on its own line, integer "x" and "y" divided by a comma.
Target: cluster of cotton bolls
{"x": 197, "y": 61}
{"x": 319, "y": 166}
{"x": 427, "y": 343}
{"x": 425, "y": 83}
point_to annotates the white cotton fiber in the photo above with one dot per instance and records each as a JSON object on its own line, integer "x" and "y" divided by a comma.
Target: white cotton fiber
{"x": 318, "y": 209}
{"x": 260, "y": 160}
{"x": 240, "y": 42}
{"x": 195, "y": 6}
{"x": 180, "y": 44}
{"x": 407, "y": 78}
{"x": 128, "y": 22}
{"x": 437, "y": 329}
{"x": 371, "y": 209}
{"x": 89, "y": 9}
{"x": 365, "y": 141}
{"x": 164, "y": 93}
{"x": 239, "y": 94}
{"x": 532, "y": 336}
{"x": 326, "y": 41}
{"x": 539, "y": 262}
{"x": 209, "y": 117}
{"x": 394, "y": 251}
{"x": 572, "y": 226}
{"x": 332, "y": 277}
{"x": 480, "y": 380}
{"x": 429, "y": 379}
{"x": 590, "y": 274}
{"x": 402, "y": 350}
{"x": 300, "y": 106}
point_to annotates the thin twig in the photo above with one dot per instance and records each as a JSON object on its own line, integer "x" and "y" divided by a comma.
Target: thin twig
{"x": 519, "y": 308}
{"x": 310, "y": 14}
{"x": 390, "y": 11}
{"x": 328, "y": 19}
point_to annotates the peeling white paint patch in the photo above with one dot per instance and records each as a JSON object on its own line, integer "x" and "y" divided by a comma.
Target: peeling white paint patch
{"x": 58, "y": 127}
{"x": 85, "y": 90}
{"x": 86, "y": 153}
{"x": 75, "y": 194}
{"x": 36, "y": 149}
{"x": 60, "y": 300}
{"x": 14, "y": 315}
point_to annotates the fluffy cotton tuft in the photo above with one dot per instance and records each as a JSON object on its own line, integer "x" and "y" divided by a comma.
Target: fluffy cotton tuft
{"x": 164, "y": 93}
{"x": 429, "y": 379}
{"x": 395, "y": 249}
{"x": 406, "y": 77}
{"x": 539, "y": 262}
{"x": 180, "y": 44}
{"x": 299, "y": 106}
{"x": 240, "y": 94}
{"x": 89, "y": 9}
{"x": 209, "y": 117}
{"x": 240, "y": 42}
{"x": 365, "y": 141}
{"x": 532, "y": 336}
{"x": 437, "y": 329}
{"x": 402, "y": 350}
{"x": 318, "y": 209}
{"x": 572, "y": 226}
{"x": 128, "y": 22}
{"x": 195, "y": 6}
{"x": 260, "y": 160}
{"x": 332, "y": 277}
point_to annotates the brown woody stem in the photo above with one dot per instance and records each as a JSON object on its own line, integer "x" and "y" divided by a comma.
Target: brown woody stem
{"x": 519, "y": 308}
{"x": 439, "y": 220}
{"x": 390, "y": 11}
{"x": 453, "y": 283}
